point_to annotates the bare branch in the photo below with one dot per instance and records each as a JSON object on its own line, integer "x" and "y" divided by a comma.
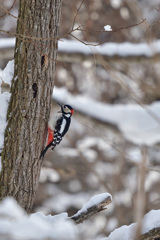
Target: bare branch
{"x": 7, "y": 10}
{"x": 113, "y": 30}
{"x": 28, "y": 37}
{"x": 77, "y": 14}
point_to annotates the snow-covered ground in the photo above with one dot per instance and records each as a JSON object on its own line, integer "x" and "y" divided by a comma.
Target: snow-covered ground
{"x": 15, "y": 223}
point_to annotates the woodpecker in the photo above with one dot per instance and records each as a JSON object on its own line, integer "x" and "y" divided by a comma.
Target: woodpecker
{"x": 59, "y": 127}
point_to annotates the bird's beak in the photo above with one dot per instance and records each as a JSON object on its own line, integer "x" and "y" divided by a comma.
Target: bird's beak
{"x": 60, "y": 106}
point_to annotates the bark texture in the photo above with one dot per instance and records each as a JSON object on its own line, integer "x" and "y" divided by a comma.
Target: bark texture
{"x": 29, "y": 108}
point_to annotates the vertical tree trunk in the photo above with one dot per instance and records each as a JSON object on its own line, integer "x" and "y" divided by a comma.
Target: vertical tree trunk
{"x": 29, "y": 108}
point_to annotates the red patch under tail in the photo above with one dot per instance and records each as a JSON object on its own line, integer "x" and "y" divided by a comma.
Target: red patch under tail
{"x": 50, "y": 136}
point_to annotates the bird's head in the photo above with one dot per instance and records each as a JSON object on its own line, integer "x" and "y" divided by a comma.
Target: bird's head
{"x": 67, "y": 110}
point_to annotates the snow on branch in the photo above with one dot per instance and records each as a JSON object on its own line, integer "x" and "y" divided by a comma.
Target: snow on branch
{"x": 147, "y": 129}
{"x": 96, "y": 204}
{"x": 107, "y": 28}
{"x": 152, "y": 234}
{"x": 150, "y": 229}
{"x": 75, "y": 51}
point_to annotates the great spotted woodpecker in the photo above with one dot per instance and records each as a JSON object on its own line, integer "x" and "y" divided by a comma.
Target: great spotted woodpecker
{"x": 58, "y": 127}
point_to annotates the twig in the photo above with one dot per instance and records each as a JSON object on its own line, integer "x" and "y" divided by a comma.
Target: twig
{"x": 115, "y": 30}
{"x": 77, "y": 14}
{"x": 7, "y": 10}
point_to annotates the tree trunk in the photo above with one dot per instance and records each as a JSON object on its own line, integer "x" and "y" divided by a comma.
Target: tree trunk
{"x": 29, "y": 108}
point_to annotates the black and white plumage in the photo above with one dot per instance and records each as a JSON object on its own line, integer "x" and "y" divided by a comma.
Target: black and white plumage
{"x": 59, "y": 127}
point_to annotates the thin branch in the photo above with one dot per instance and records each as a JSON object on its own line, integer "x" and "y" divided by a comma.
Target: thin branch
{"x": 78, "y": 9}
{"x": 100, "y": 31}
{"x": 115, "y": 30}
{"x": 7, "y": 10}
{"x": 28, "y": 37}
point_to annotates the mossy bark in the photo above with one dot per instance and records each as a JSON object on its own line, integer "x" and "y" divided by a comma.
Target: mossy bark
{"x": 29, "y": 107}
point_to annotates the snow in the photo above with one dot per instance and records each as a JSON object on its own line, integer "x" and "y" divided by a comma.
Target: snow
{"x": 5, "y": 77}
{"x": 68, "y": 152}
{"x": 94, "y": 201}
{"x": 136, "y": 123}
{"x": 108, "y": 28}
{"x": 150, "y": 221}
{"x": 123, "y": 233}
{"x": 7, "y": 42}
{"x": 49, "y": 174}
{"x": 108, "y": 49}
{"x": 10, "y": 208}
{"x": 16, "y": 223}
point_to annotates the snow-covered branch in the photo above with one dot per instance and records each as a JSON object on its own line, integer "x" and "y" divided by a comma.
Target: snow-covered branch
{"x": 139, "y": 121}
{"x": 96, "y": 204}
{"x": 150, "y": 228}
{"x": 152, "y": 234}
{"x": 75, "y": 51}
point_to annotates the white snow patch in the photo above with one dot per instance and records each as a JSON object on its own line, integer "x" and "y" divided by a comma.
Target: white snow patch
{"x": 49, "y": 174}
{"x": 75, "y": 185}
{"x": 68, "y": 152}
{"x": 5, "y": 76}
{"x": 109, "y": 49}
{"x": 124, "y": 233}
{"x": 112, "y": 224}
{"x": 10, "y": 208}
{"x": 7, "y": 42}
{"x": 135, "y": 154}
{"x": 94, "y": 201}
{"x": 151, "y": 178}
{"x": 150, "y": 221}
{"x": 14, "y": 222}
{"x": 90, "y": 155}
{"x": 108, "y": 28}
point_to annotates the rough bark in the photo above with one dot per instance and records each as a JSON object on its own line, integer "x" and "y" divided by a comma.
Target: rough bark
{"x": 29, "y": 108}
{"x": 153, "y": 234}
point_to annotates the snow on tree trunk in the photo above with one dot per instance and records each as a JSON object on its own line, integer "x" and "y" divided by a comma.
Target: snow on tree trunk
{"x": 29, "y": 108}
